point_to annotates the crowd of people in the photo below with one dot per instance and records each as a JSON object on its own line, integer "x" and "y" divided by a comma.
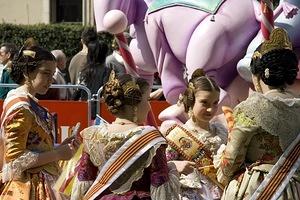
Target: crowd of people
{"x": 253, "y": 156}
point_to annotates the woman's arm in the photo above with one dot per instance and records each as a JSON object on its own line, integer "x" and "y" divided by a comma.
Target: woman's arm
{"x": 1, "y": 153}
{"x": 17, "y": 157}
{"x": 232, "y": 158}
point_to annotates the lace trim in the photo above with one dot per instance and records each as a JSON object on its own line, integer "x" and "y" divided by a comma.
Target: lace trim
{"x": 277, "y": 116}
{"x": 139, "y": 173}
{"x": 100, "y": 144}
{"x": 96, "y": 142}
{"x": 170, "y": 189}
{"x": 213, "y": 139}
{"x": 80, "y": 188}
{"x": 14, "y": 169}
{"x": 217, "y": 160}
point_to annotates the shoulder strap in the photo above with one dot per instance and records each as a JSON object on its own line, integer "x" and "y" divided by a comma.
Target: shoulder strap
{"x": 123, "y": 158}
{"x": 193, "y": 150}
{"x": 11, "y": 104}
{"x": 280, "y": 174}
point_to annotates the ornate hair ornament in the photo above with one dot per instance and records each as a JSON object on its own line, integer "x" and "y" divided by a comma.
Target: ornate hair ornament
{"x": 180, "y": 100}
{"x": 256, "y": 55}
{"x": 113, "y": 85}
{"x": 29, "y": 53}
{"x": 267, "y": 73}
{"x": 279, "y": 39}
{"x": 112, "y": 79}
{"x": 129, "y": 86}
{"x": 191, "y": 86}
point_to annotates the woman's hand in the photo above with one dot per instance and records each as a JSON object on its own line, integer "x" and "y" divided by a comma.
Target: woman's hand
{"x": 68, "y": 149}
{"x": 184, "y": 167}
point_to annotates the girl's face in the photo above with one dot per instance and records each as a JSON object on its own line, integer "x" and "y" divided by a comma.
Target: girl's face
{"x": 41, "y": 78}
{"x": 143, "y": 107}
{"x": 206, "y": 105}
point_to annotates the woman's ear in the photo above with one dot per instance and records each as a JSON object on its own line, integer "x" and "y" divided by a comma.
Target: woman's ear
{"x": 9, "y": 55}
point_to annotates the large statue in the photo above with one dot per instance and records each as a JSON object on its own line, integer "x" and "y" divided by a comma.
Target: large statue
{"x": 185, "y": 35}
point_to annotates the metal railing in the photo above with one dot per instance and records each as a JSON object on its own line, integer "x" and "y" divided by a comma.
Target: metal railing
{"x": 60, "y": 86}
{"x": 90, "y": 97}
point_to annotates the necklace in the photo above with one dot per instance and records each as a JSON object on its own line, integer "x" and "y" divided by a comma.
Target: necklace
{"x": 122, "y": 121}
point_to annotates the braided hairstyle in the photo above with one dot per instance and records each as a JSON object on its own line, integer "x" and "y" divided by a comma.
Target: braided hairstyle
{"x": 28, "y": 59}
{"x": 198, "y": 82}
{"x": 124, "y": 90}
{"x": 276, "y": 68}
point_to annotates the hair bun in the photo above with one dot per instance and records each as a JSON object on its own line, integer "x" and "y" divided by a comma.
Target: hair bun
{"x": 198, "y": 73}
{"x": 30, "y": 42}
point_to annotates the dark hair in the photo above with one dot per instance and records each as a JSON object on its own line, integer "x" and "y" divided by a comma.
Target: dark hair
{"x": 198, "y": 82}
{"x": 276, "y": 68}
{"x": 124, "y": 90}
{"x": 10, "y": 48}
{"x": 95, "y": 68}
{"x": 88, "y": 34}
{"x": 28, "y": 60}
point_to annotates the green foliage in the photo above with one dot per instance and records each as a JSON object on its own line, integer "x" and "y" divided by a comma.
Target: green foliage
{"x": 51, "y": 36}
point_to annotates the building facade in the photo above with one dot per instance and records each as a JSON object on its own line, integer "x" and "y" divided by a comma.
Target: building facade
{"x": 46, "y": 11}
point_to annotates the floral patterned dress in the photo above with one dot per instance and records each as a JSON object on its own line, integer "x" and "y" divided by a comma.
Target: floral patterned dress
{"x": 27, "y": 131}
{"x": 264, "y": 127}
{"x": 196, "y": 186}
{"x": 149, "y": 178}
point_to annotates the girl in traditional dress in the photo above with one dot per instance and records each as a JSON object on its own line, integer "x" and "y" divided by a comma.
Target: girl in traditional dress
{"x": 265, "y": 124}
{"x": 29, "y": 158}
{"x": 122, "y": 160}
{"x": 201, "y": 102}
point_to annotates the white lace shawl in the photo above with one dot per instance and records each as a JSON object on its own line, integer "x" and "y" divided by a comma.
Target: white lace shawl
{"x": 277, "y": 115}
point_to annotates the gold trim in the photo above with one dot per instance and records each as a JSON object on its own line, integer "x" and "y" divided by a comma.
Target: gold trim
{"x": 279, "y": 39}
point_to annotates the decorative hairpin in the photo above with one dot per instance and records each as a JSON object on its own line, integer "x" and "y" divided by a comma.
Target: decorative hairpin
{"x": 112, "y": 78}
{"x": 191, "y": 86}
{"x": 267, "y": 73}
{"x": 29, "y": 53}
{"x": 256, "y": 55}
{"x": 279, "y": 39}
{"x": 180, "y": 100}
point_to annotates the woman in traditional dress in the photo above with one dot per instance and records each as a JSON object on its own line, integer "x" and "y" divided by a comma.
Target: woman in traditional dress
{"x": 122, "y": 160}
{"x": 29, "y": 158}
{"x": 265, "y": 124}
{"x": 198, "y": 135}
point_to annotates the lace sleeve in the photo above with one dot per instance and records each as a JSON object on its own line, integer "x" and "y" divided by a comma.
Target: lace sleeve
{"x": 230, "y": 158}
{"x": 94, "y": 144}
{"x": 14, "y": 169}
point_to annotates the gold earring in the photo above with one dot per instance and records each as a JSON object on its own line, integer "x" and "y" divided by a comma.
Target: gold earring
{"x": 191, "y": 114}
{"x": 258, "y": 87}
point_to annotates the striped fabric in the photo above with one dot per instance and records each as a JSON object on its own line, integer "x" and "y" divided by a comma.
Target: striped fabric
{"x": 123, "y": 158}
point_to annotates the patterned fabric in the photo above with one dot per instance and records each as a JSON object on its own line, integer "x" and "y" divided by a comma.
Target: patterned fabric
{"x": 210, "y": 6}
{"x": 195, "y": 185}
{"x": 26, "y": 134}
{"x": 87, "y": 171}
{"x": 254, "y": 146}
{"x": 100, "y": 145}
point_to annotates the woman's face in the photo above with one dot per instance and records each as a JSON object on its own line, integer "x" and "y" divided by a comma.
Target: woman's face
{"x": 143, "y": 107}
{"x": 41, "y": 79}
{"x": 206, "y": 105}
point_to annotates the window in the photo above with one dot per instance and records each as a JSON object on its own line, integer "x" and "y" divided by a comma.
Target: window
{"x": 68, "y": 11}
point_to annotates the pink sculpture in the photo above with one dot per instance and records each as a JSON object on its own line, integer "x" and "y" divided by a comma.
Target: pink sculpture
{"x": 176, "y": 39}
